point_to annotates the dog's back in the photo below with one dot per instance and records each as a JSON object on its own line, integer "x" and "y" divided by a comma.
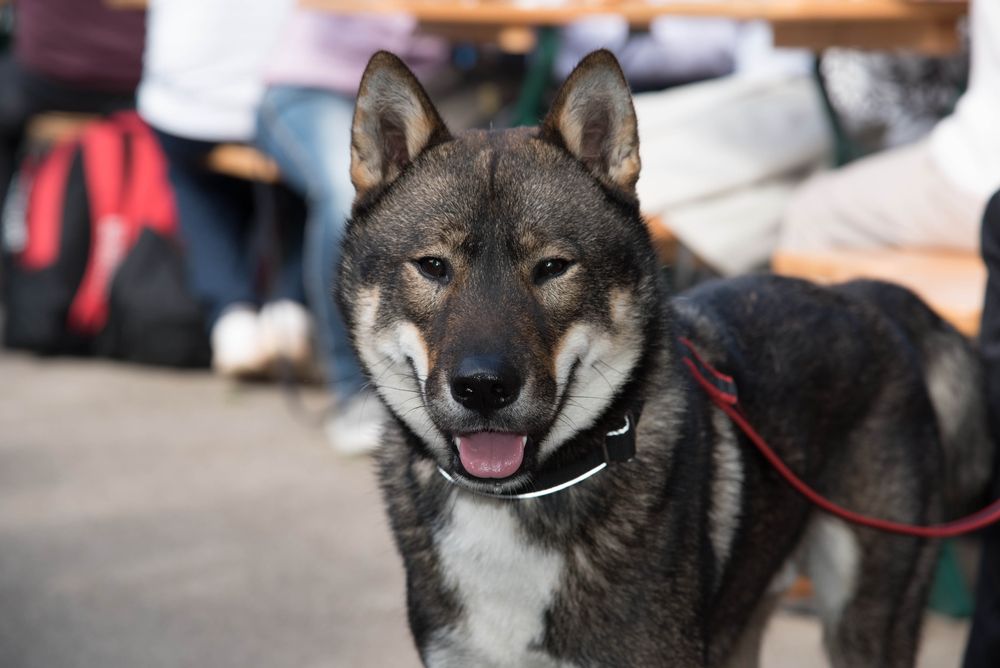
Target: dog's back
{"x": 813, "y": 335}
{"x": 879, "y": 403}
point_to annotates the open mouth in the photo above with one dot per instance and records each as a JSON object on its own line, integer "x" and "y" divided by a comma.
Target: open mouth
{"x": 491, "y": 454}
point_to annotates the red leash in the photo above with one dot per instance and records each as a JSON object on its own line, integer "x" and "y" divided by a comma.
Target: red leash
{"x": 722, "y": 391}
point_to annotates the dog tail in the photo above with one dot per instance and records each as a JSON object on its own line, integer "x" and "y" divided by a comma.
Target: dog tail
{"x": 955, "y": 380}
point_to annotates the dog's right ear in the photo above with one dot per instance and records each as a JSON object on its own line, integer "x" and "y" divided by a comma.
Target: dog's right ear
{"x": 593, "y": 118}
{"x": 394, "y": 121}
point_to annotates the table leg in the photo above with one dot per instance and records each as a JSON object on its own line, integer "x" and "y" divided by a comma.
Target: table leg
{"x": 845, "y": 150}
{"x": 528, "y": 109}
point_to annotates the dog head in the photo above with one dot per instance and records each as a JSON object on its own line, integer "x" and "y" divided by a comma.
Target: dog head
{"x": 499, "y": 286}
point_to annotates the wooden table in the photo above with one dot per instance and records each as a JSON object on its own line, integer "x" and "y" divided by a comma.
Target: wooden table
{"x": 924, "y": 25}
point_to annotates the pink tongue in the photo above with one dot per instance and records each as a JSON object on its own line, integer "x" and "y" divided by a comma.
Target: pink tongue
{"x": 489, "y": 454}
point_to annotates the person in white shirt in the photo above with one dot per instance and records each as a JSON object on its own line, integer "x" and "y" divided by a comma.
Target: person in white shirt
{"x": 934, "y": 193}
{"x": 721, "y": 158}
{"x": 202, "y": 82}
{"x": 928, "y": 194}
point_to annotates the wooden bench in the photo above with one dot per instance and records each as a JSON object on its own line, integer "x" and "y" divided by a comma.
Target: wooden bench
{"x": 952, "y": 282}
{"x": 243, "y": 162}
{"x": 55, "y": 126}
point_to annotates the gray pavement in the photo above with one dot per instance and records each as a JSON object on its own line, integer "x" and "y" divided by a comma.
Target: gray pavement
{"x": 156, "y": 518}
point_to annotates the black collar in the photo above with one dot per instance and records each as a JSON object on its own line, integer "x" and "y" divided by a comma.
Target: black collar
{"x": 618, "y": 445}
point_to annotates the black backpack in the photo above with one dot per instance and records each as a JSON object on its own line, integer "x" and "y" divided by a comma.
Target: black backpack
{"x": 92, "y": 263}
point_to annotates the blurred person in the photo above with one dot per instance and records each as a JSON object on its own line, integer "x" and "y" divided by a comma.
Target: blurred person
{"x": 932, "y": 193}
{"x": 201, "y": 86}
{"x": 721, "y": 158}
{"x": 928, "y": 194}
{"x": 305, "y": 125}
{"x": 77, "y": 56}
{"x": 983, "y": 648}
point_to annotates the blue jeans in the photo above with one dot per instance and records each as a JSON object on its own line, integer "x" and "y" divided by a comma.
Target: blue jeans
{"x": 221, "y": 236}
{"x": 308, "y": 133}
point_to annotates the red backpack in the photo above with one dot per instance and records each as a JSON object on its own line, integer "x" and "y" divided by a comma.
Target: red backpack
{"x": 92, "y": 263}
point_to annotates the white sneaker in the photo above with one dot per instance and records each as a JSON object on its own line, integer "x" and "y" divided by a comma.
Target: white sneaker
{"x": 356, "y": 427}
{"x": 286, "y": 333}
{"x": 236, "y": 343}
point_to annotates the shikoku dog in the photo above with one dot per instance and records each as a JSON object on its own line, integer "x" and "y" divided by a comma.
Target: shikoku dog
{"x": 503, "y": 295}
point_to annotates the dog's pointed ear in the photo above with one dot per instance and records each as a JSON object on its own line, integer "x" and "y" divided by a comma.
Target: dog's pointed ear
{"x": 593, "y": 118}
{"x": 394, "y": 122}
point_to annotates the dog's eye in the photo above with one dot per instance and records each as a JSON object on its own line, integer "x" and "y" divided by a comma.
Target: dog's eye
{"x": 434, "y": 268}
{"x": 550, "y": 268}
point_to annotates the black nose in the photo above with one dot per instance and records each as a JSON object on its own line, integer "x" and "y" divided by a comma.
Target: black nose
{"x": 485, "y": 383}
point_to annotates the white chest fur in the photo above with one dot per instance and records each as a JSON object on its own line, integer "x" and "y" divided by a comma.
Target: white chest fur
{"x": 504, "y": 584}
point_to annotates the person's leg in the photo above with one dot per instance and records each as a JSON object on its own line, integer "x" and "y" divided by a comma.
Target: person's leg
{"x": 284, "y": 322}
{"x": 983, "y": 649}
{"x": 214, "y": 214}
{"x": 213, "y": 211}
{"x": 309, "y": 132}
{"x": 896, "y": 198}
{"x": 290, "y": 215}
{"x": 721, "y": 158}
{"x": 989, "y": 331}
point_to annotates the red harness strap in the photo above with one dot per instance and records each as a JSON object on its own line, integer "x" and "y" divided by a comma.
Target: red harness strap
{"x": 722, "y": 390}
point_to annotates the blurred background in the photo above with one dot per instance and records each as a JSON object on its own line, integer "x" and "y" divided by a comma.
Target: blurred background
{"x": 184, "y": 431}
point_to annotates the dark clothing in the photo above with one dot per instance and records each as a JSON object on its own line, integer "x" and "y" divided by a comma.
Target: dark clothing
{"x": 83, "y": 43}
{"x": 983, "y": 650}
{"x": 222, "y": 246}
{"x": 989, "y": 332}
{"x": 24, "y": 94}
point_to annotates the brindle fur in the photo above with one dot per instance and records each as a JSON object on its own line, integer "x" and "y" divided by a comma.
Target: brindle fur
{"x": 674, "y": 557}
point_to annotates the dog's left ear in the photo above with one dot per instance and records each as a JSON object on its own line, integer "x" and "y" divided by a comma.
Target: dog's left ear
{"x": 394, "y": 122}
{"x": 593, "y": 119}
